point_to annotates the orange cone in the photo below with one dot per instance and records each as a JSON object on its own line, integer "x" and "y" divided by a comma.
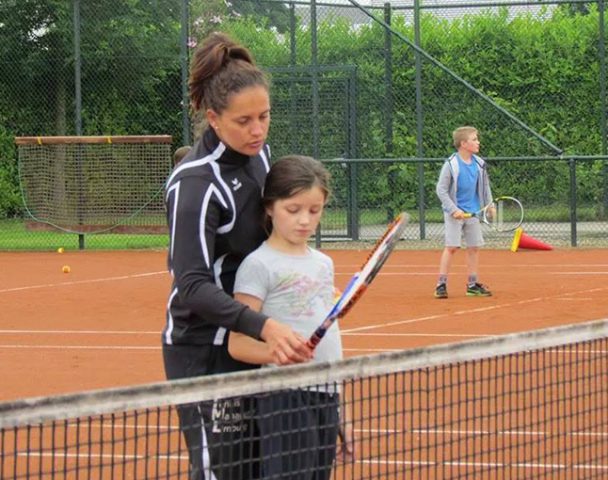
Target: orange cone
{"x": 521, "y": 240}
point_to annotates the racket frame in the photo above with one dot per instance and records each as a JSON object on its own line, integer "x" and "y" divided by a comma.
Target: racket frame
{"x": 482, "y": 214}
{"x": 360, "y": 281}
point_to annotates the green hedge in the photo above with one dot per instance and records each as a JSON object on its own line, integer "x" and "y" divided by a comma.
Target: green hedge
{"x": 542, "y": 69}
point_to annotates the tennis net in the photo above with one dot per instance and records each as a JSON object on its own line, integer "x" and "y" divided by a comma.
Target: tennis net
{"x": 527, "y": 405}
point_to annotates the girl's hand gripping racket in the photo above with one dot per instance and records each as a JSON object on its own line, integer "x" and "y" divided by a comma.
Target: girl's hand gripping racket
{"x": 359, "y": 282}
{"x": 503, "y": 214}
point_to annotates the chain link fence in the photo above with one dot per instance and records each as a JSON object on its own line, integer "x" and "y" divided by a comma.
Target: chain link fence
{"x": 374, "y": 91}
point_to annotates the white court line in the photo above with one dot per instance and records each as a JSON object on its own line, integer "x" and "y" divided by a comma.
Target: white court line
{"x": 397, "y": 322}
{"x": 496, "y": 265}
{"x": 82, "y": 347}
{"x": 463, "y": 335}
{"x": 427, "y": 463}
{"x": 430, "y": 274}
{"x": 552, "y": 352}
{"x": 117, "y": 457}
{"x": 393, "y": 274}
{"x": 579, "y": 273}
{"x": 60, "y": 453}
{"x": 135, "y": 347}
{"x": 148, "y": 274}
{"x": 418, "y": 431}
{"x": 510, "y": 433}
{"x": 372, "y": 350}
{"x": 125, "y": 332}
{"x": 157, "y": 348}
{"x": 492, "y": 465}
{"x": 144, "y": 348}
{"x": 352, "y": 331}
{"x": 372, "y": 461}
{"x": 81, "y": 282}
{"x": 474, "y": 310}
{"x": 82, "y": 332}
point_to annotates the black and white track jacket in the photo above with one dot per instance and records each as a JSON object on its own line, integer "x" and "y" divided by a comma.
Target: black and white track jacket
{"x": 214, "y": 214}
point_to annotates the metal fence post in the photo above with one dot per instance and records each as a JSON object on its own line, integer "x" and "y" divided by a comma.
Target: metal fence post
{"x": 388, "y": 102}
{"x": 185, "y": 32}
{"x": 78, "y": 101}
{"x": 419, "y": 122}
{"x": 315, "y": 93}
{"x": 603, "y": 126}
{"x": 572, "y": 164}
{"x": 293, "y": 60}
{"x": 353, "y": 216}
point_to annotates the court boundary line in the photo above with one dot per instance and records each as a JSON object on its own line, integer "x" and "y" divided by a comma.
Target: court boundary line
{"x": 384, "y": 273}
{"x": 371, "y": 461}
{"x": 474, "y": 310}
{"x": 81, "y": 282}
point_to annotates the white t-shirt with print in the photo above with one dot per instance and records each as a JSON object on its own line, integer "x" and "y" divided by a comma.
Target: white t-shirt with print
{"x": 297, "y": 290}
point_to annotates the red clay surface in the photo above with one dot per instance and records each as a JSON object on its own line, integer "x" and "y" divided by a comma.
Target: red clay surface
{"x": 99, "y": 325}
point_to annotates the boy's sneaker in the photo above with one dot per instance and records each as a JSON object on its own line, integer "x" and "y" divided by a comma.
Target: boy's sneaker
{"x": 441, "y": 291}
{"x": 478, "y": 290}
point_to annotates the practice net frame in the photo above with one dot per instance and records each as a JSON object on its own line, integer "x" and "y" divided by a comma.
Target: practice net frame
{"x": 94, "y": 184}
{"x": 521, "y": 406}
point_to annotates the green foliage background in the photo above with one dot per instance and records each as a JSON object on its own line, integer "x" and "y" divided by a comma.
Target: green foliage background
{"x": 543, "y": 69}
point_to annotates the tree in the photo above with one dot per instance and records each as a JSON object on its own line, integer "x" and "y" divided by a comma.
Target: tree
{"x": 208, "y": 15}
{"x": 128, "y": 47}
{"x": 276, "y": 13}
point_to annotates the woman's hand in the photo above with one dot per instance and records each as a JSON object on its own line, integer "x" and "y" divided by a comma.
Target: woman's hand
{"x": 286, "y": 346}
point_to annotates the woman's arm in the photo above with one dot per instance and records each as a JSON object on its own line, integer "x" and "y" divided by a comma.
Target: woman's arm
{"x": 243, "y": 347}
{"x": 281, "y": 344}
{"x": 193, "y": 225}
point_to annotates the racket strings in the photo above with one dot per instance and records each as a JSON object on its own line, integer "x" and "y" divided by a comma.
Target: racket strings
{"x": 504, "y": 214}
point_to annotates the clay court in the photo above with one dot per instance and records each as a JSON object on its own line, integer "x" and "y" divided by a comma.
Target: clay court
{"x": 99, "y": 325}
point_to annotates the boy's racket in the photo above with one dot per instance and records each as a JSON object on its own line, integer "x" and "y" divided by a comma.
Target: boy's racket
{"x": 359, "y": 282}
{"x": 503, "y": 214}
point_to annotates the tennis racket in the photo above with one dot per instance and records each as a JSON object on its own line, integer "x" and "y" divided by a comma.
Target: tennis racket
{"x": 503, "y": 214}
{"x": 360, "y": 280}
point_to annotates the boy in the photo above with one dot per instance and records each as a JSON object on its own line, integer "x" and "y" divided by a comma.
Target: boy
{"x": 463, "y": 186}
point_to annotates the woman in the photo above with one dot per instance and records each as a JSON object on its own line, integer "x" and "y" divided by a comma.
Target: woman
{"x": 214, "y": 217}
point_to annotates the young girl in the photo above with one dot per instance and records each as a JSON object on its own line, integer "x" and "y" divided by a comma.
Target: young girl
{"x": 285, "y": 278}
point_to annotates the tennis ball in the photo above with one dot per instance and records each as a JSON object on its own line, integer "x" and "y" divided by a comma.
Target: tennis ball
{"x": 60, "y": 250}
{"x": 66, "y": 269}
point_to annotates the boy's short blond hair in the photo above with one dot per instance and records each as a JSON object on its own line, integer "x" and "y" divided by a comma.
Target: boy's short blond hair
{"x": 462, "y": 134}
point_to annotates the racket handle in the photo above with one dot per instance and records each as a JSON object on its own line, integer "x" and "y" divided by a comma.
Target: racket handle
{"x": 316, "y": 337}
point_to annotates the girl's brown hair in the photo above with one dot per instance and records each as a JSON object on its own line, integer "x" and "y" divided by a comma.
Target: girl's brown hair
{"x": 289, "y": 176}
{"x": 221, "y": 67}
